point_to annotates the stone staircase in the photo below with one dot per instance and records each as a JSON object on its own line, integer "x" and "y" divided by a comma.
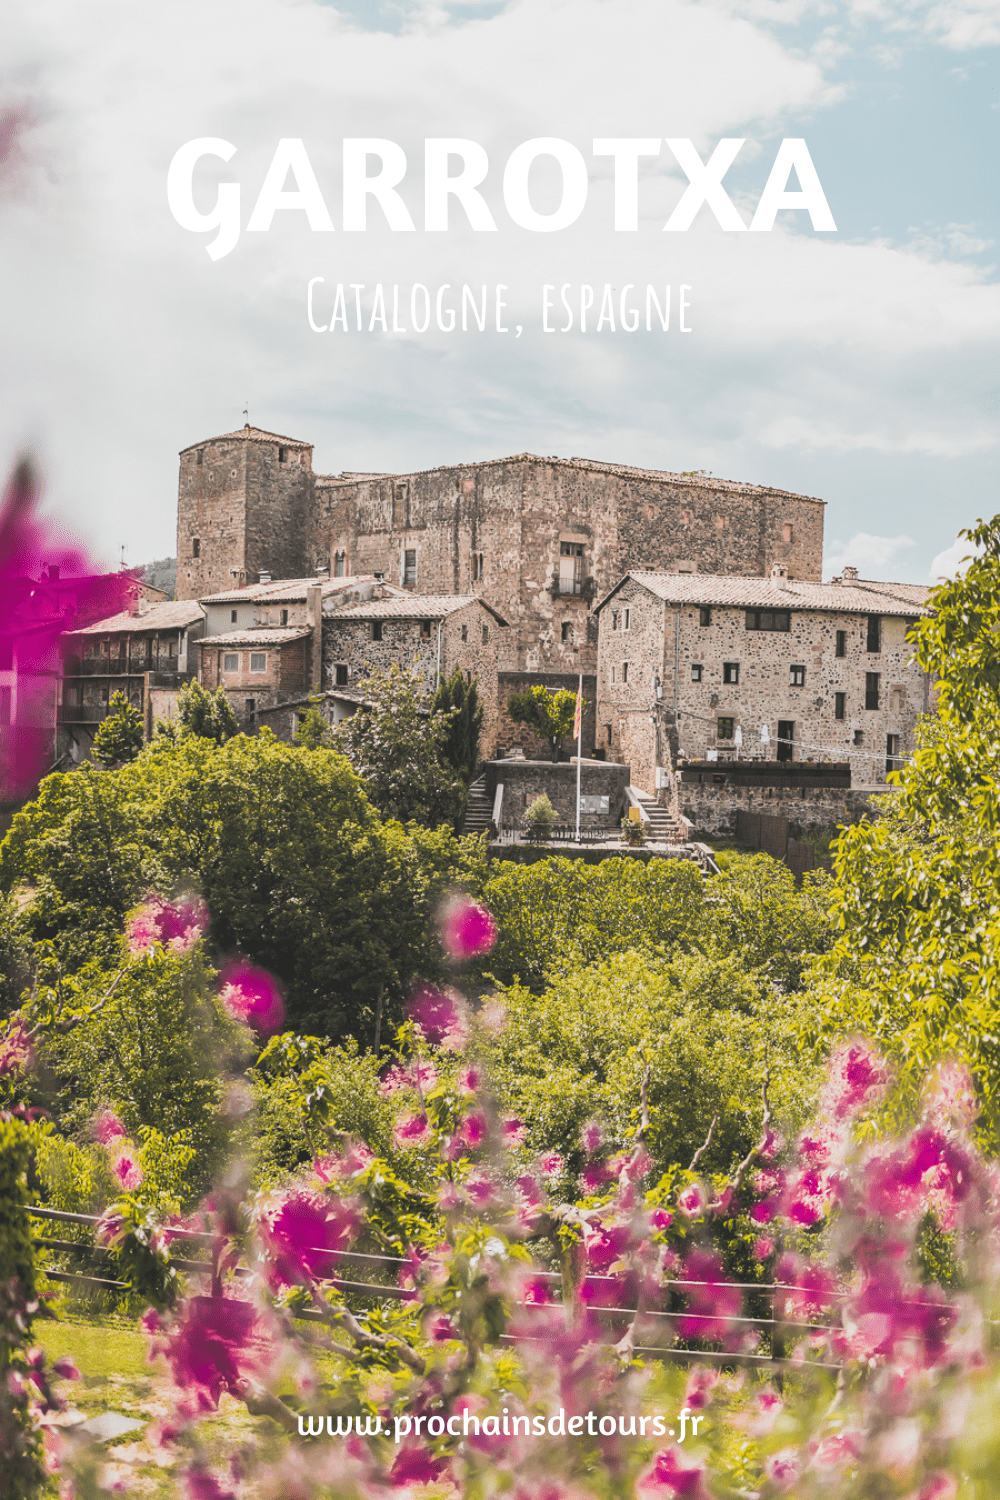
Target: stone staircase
{"x": 479, "y": 809}
{"x": 663, "y": 828}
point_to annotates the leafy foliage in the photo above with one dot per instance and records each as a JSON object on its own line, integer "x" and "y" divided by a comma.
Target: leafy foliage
{"x": 312, "y": 732}
{"x": 397, "y": 748}
{"x": 119, "y": 736}
{"x": 208, "y": 715}
{"x": 460, "y": 742}
{"x": 551, "y": 714}
{"x": 21, "y": 1466}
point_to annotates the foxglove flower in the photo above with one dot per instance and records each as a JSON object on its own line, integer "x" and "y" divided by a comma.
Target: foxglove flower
{"x": 252, "y": 995}
{"x": 17, "y": 1055}
{"x": 303, "y": 1231}
{"x": 176, "y": 925}
{"x": 672, "y": 1473}
{"x": 215, "y": 1344}
{"x": 411, "y": 1131}
{"x": 440, "y": 1016}
{"x": 467, "y": 929}
{"x": 856, "y": 1078}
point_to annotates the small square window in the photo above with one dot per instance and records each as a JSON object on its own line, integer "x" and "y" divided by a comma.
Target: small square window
{"x": 258, "y": 661}
{"x": 615, "y": 619}
{"x": 839, "y": 705}
{"x": 871, "y": 689}
{"x": 282, "y": 455}
{"x": 874, "y": 642}
{"x": 376, "y": 630}
{"x": 859, "y": 736}
{"x": 341, "y": 674}
{"x": 425, "y": 630}
{"x": 796, "y": 676}
{"x": 841, "y": 642}
{"x": 704, "y": 615}
{"x": 731, "y": 672}
{"x": 566, "y": 631}
{"x": 725, "y": 729}
{"x": 232, "y": 617}
{"x": 696, "y": 671}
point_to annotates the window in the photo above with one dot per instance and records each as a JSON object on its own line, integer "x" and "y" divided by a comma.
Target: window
{"x": 615, "y": 619}
{"x": 231, "y": 661}
{"x": 376, "y": 630}
{"x": 624, "y": 671}
{"x": 696, "y": 671}
{"x": 486, "y": 634}
{"x": 398, "y": 504}
{"x": 341, "y": 674}
{"x": 409, "y": 568}
{"x": 195, "y": 546}
{"x": 282, "y": 455}
{"x": 425, "y": 630}
{"x": 340, "y": 565}
{"x": 839, "y": 705}
{"x": 477, "y": 566}
{"x": 786, "y": 532}
{"x": 627, "y": 619}
{"x": 871, "y": 689}
{"x": 796, "y": 676}
{"x": 248, "y": 709}
{"x": 704, "y": 615}
{"x": 874, "y": 633}
{"x": 786, "y": 739}
{"x": 201, "y": 455}
{"x": 769, "y": 619}
{"x": 731, "y": 672}
{"x": 232, "y": 617}
{"x": 570, "y": 567}
{"x": 893, "y": 762}
{"x": 566, "y": 631}
{"x": 859, "y": 737}
{"x": 841, "y": 643}
{"x": 465, "y": 634}
{"x": 613, "y": 677}
{"x": 258, "y": 661}
{"x": 283, "y": 617}
{"x": 725, "y": 729}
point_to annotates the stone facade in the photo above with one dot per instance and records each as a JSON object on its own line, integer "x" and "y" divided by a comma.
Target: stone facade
{"x": 524, "y": 780}
{"x": 686, "y": 662}
{"x": 430, "y": 635}
{"x": 256, "y": 668}
{"x": 536, "y": 538}
{"x": 711, "y": 810}
{"x": 522, "y": 736}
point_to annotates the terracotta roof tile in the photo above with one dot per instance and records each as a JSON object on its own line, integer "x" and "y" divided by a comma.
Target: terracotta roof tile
{"x": 739, "y": 592}
{"x": 251, "y": 638}
{"x": 287, "y": 590}
{"x": 413, "y": 607}
{"x": 174, "y": 615}
{"x": 251, "y": 435}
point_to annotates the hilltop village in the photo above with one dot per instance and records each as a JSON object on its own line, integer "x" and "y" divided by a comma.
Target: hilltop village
{"x": 693, "y": 609}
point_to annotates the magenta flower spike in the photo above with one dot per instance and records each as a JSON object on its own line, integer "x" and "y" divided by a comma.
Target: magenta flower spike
{"x": 467, "y": 929}
{"x": 176, "y": 925}
{"x": 252, "y": 995}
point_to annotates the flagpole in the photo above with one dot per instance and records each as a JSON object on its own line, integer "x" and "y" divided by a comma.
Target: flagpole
{"x": 579, "y": 751}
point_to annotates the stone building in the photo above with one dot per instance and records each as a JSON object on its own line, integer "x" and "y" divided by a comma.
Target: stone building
{"x": 773, "y": 668}
{"x": 428, "y": 634}
{"x": 145, "y": 652}
{"x": 537, "y": 538}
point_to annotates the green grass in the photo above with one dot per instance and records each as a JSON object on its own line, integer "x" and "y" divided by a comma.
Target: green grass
{"x": 99, "y": 1349}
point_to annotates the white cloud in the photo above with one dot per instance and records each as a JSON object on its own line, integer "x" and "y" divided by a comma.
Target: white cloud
{"x": 873, "y": 556}
{"x": 954, "y": 559}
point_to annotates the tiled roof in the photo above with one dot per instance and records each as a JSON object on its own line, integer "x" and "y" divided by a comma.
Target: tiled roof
{"x": 250, "y": 434}
{"x": 659, "y": 476}
{"x": 279, "y": 637}
{"x": 286, "y": 590}
{"x": 413, "y": 607}
{"x": 175, "y": 615}
{"x": 845, "y": 598}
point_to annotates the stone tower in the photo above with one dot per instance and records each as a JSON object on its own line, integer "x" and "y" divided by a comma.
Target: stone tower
{"x": 242, "y": 510}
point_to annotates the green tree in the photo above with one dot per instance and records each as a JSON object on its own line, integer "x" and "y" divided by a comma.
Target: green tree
{"x": 312, "y": 732}
{"x": 396, "y": 745}
{"x": 460, "y": 742}
{"x": 550, "y": 714}
{"x": 119, "y": 737}
{"x": 209, "y": 715}
{"x": 298, "y": 870}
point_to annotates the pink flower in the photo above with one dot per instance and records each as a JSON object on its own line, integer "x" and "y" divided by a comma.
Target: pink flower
{"x": 125, "y": 1166}
{"x": 107, "y": 1127}
{"x": 712, "y": 1302}
{"x": 302, "y": 1233}
{"x": 783, "y": 1468}
{"x": 660, "y": 1220}
{"x": 951, "y": 1092}
{"x": 592, "y": 1136}
{"x": 480, "y": 1189}
{"x": 415, "y": 1464}
{"x": 472, "y": 1132}
{"x": 671, "y": 1473}
{"x": 201, "y": 1484}
{"x": 440, "y": 1017}
{"x": 177, "y": 925}
{"x": 17, "y": 1055}
{"x": 514, "y": 1132}
{"x": 823, "y": 1144}
{"x": 595, "y": 1176}
{"x": 856, "y": 1077}
{"x": 471, "y": 1080}
{"x": 467, "y": 929}
{"x": 550, "y": 1164}
{"x": 701, "y": 1383}
{"x": 396, "y": 1078}
{"x": 252, "y": 995}
{"x": 762, "y": 1248}
{"x": 768, "y": 1406}
{"x": 808, "y": 1196}
{"x": 606, "y": 1244}
{"x": 65, "y": 1369}
{"x": 692, "y": 1201}
{"x": 536, "y": 1293}
{"x": 937, "y": 1486}
{"x": 835, "y": 1450}
{"x": 214, "y": 1345}
{"x": 411, "y": 1131}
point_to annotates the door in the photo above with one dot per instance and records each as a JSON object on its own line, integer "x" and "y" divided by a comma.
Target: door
{"x": 786, "y": 738}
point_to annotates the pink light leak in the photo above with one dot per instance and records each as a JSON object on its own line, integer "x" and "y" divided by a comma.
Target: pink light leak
{"x": 467, "y": 929}
{"x": 252, "y": 995}
{"x": 47, "y": 586}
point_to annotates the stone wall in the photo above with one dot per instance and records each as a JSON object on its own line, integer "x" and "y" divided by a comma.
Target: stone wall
{"x": 522, "y": 736}
{"x": 524, "y": 780}
{"x": 712, "y": 810}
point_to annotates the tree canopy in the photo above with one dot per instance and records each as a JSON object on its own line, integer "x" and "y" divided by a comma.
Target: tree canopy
{"x": 460, "y": 739}
{"x": 550, "y": 714}
{"x": 119, "y": 737}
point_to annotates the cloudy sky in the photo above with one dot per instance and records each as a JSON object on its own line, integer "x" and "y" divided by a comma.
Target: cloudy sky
{"x": 859, "y": 366}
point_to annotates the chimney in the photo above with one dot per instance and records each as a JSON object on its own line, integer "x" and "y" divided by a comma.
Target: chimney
{"x": 314, "y": 619}
{"x": 264, "y": 578}
{"x": 849, "y": 575}
{"x": 133, "y": 596}
{"x": 779, "y": 576}
{"x": 323, "y": 571}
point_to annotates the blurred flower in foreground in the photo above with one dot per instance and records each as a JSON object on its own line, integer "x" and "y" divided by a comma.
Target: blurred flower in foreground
{"x": 467, "y": 929}
{"x": 176, "y": 924}
{"x": 107, "y": 1127}
{"x": 252, "y": 995}
{"x": 440, "y": 1016}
